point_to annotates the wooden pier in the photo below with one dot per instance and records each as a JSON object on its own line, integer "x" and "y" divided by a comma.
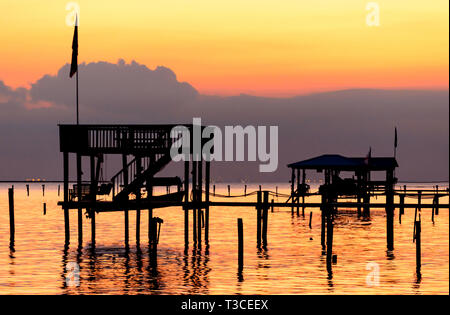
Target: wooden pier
{"x": 145, "y": 151}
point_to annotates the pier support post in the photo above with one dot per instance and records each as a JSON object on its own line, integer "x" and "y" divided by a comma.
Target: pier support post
{"x": 292, "y": 189}
{"x": 265, "y": 215}
{"x": 138, "y": 201}
{"x": 28, "y": 190}
{"x": 390, "y": 209}
{"x": 240, "y": 245}
{"x": 12, "y": 229}
{"x": 323, "y": 224}
{"x": 125, "y": 183}
{"x": 199, "y": 201}
{"x": 186, "y": 203}
{"x": 93, "y": 198}
{"x": 80, "y": 210}
{"x": 329, "y": 216}
{"x": 418, "y": 245}
{"x": 258, "y": 218}
{"x": 207, "y": 184}
{"x": 194, "y": 197}
{"x": 66, "y": 197}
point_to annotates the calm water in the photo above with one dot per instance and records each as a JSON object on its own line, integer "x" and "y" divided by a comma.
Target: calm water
{"x": 292, "y": 263}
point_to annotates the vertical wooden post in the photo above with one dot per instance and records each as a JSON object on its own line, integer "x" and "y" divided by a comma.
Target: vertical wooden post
{"x": 366, "y": 196}
{"x": 43, "y": 190}
{"x": 80, "y": 209}
{"x": 12, "y": 228}
{"x": 437, "y": 200}
{"x": 199, "y": 201}
{"x": 186, "y": 202}
{"x": 271, "y": 207}
{"x": 138, "y": 201}
{"x": 402, "y": 208}
{"x": 45, "y": 208}
{"x": 28, "y": 190}
{"x": 229, "y": 190}
{"x": 329, "y": 216}
{"x": 323, "y": 224}
{"x": 292, "y": 189}
{"x": 207, "y": 184}
{"x": 358, "y": 181}
{"x": 418, "y": 245}
{"x": 265, "y": 215}
{"x": 303, "y": 196}
{"x": 298, "y": 191}
{"x": 59, "y": 188}
{"x": 390, "y": 209}
{"x": 258, "y": 218}
{"x": 214, "y": 190}
{"x": 194, "y": 195}
{"x": 66, "y": 197}
{"x": 240, "y": 245}
{"x": 125, "y": 183}
{"x": 93, "y": 198}
{"x": 245, "y": 190}
{"x": 310, "y": 219}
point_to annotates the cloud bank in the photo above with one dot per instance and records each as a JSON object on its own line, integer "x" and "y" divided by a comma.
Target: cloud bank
{"x": 344, "y": 122}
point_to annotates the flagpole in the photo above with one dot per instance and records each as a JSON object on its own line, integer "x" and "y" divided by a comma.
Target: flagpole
{"x": 78, "y": 122}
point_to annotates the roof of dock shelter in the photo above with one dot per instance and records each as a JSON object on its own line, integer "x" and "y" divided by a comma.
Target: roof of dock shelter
{"x": 339, "y": 162}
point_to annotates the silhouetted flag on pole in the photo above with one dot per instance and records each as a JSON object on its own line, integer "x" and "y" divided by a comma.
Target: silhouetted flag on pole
{"x": 74, "y": 65}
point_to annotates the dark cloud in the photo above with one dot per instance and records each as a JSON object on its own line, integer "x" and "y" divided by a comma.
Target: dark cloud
{"x": 345, "y": 122}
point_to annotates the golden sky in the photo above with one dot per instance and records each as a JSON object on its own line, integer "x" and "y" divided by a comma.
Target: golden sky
{"x": 264, "y": 47}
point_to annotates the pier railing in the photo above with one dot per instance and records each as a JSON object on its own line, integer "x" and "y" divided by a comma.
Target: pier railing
{"x": 89, "y": 139}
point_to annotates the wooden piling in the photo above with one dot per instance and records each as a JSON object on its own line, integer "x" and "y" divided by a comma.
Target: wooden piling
{"x": 93, "y": 198}
{"x": 186, "y": 202}
{"x": 418, "y": 245}
{"x": 323, "y": 224}
{"x": 12, "y": 228}
{"x": 245, "y": 190}
{"x": 66, "y": 197}
{"x": 214, "y": 190}
{"x": 45, "y": 208}
{"x": 265, "y": 216}
{"x": 437, "y": 200}
{"x": 310, "y": 219}
{"x": 43, "y": 190}
{"x": 126, "y": 217}
{"x": 194, "y": 195}
{"x": 59, "y": 189}
{"x": 199, "y": 200}
{"x": 229, "y": 190}
{"x": 207, "y": 185}
{"x": 28, "y": 190}
{"x": 240, "y": 244}
{"x": 390, "y": 209}
{"x": 79, "y": 196}
{"x": 329, "y": 236}
{"x": 271, "y": 207}
{"x": 138, "y": 201}
{"x": 258, "y": 218}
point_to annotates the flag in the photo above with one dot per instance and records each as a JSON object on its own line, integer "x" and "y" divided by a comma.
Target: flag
{"x": 395, "y": 139}
{"x": 368, "y": 156}
{"x": 74, "y": 65}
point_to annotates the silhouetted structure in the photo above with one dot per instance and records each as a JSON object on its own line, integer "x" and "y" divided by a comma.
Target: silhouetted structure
{"x": 145, "y": 151}
{"x": 359, "y": 186}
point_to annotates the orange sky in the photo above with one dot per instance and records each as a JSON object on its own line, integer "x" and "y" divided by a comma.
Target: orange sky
{"x": 263, "y": 47}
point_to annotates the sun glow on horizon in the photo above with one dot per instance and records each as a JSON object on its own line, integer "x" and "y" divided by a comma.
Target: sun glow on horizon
{"x": 263, "y": 47}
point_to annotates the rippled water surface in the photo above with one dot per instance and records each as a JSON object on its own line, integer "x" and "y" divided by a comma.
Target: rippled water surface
{"x": 292, "y": 263}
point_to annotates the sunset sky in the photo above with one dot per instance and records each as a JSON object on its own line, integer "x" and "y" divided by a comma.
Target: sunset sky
{"x": 263, "y": 47}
